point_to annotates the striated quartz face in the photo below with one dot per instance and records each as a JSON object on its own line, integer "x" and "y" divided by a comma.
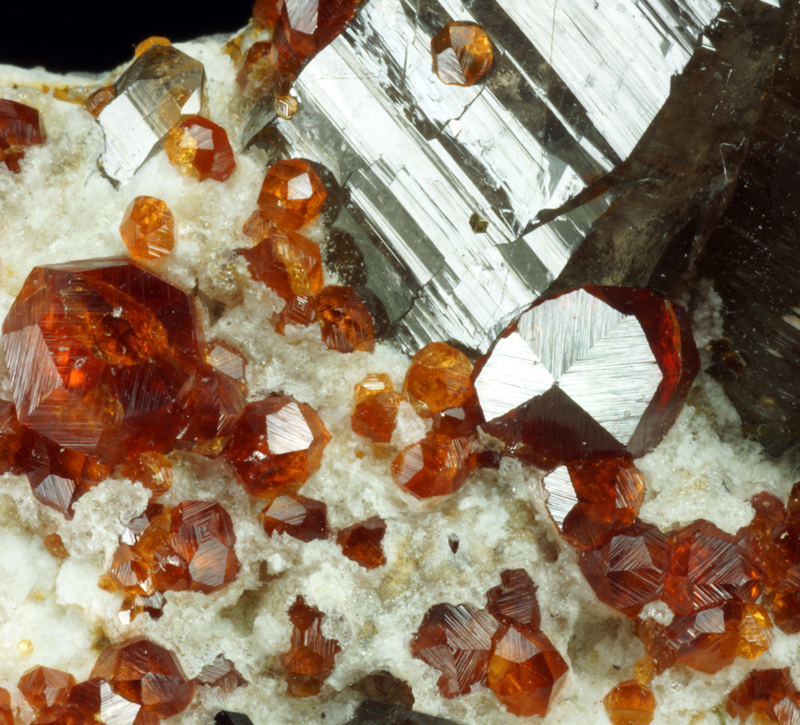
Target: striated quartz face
{"x": 97, "y": 353}
{"x": 598, "y": 370}
{"x": 556, "y": 110}
{"x": 150, "y": 97}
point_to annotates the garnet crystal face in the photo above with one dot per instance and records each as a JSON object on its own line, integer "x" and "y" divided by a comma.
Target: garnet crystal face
{"x": 20, "y": 127}
{"x": 598, "y": 370}
{"x": 98, "y": 352}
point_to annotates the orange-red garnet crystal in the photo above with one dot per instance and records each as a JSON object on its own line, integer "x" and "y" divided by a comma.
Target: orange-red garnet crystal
{"x": 222, "y": 674}
{"x": 277, "y": 446}
{"x": 6, "y": 713}
{"x": 587, "y": 499}
{"x": 345, "y": 320}
{"x": 438, "y": 465}
{"x": 375, "y": 409}
{"x": 311, "y": 656}
{"x": 300, "y": 517}
{"x": 20, "y": 127}
{"x": 100, "y": 704}
{"x": 43, "y": 687}
{"x": 292, "y": 194}
{"x": 462, "y": 54}
{"x": 457, "y": 641}
{"x": 363, "y": 542}
{"x": 200, "y": 149}
{"x": 630, "y": 703}
{"x": 709, "y": 567}
{"x": 514, "y": 601}
{"x": 770, "y": 696}
{"x": 438, "y": 378}
{"x": 148, "y": 228}
{"x": 147, "y": 674}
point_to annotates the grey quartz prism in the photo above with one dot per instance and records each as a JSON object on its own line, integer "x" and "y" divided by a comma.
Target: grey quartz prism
{"x": 158, "y": 88}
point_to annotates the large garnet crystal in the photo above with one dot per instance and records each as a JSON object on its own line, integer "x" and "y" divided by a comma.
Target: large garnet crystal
{"x": 594, "y": 371}
{"x": 98, "y": 352}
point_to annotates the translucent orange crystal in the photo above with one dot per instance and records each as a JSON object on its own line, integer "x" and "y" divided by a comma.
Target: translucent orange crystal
{"x": 630, "y": 703}
{"x": 6, "y": 713}
{"x": 147, "y": 674}
{"x": 221, "y": 674}
{"x": 213, "y": 400}
{"x": 438, "y": 378}
{"x": 277, "y": 446}
{"x": 457, "y": 641}
{"x": 514, "y": 601}
{"x": 462, "y": 54}
{"x": 199, "y": 148}
{"x": 311, "y": 656}
{"x": 11, "y": 439}
{"x": 55, "y": 546}
{"x": 588, "y": 499}
{"x": 286, "y": 262}
{"x": 98, "y": 100}
{"x": 100, "y": 704}
{"x": 345, "y": 320}
{"x": 628, "y": 571}
{"x": 709, "y": 567}
{"x": 300, "y": 311}
{"x": 43, "y": 687}
{"x": 755, "y": 632}
{"x": 300, "y": 517}
{"x": 153, "y": 470}
{"x": 363, "y": 542}
{"x": 256, "y": 71}
{"x": 148, "y": 228}
{"x": 374, "y": 413}
{"x": 438, "y": 465}
{"x": 770, "y": 696}
{"x": 526, "y": 672}
{"x": 266, "y": 13}
{"x": 20, "y": 127}
{"x": 292, "y": 194}
{"x": 149, "y": 43}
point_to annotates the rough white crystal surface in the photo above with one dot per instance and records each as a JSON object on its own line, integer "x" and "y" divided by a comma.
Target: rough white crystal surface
{"x": 60, "y": 208}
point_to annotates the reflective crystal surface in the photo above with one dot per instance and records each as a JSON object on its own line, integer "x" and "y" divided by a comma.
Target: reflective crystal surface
{"x": 559, "y": 108}
{"x": 150, "y": 97}
{"x": 630, "y": 703}
{"x": 222, "y": 674}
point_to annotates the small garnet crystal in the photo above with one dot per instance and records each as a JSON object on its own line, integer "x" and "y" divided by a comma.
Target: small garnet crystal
{"x": 199, "y": 148}
{"x": 20, "y": 127}
{"x": 363, "y": 542}
{"x": 462, "y": 54}
{"x": 292, "y": 194}
{"x": 148, "y": 228}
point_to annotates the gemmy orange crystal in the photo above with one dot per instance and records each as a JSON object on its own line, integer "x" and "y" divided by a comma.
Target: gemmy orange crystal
{"x": 525, "y": 671}
{"x": 147, "y": 674}
{"x": 462, "y": 54}
{"x": 277, "y": 446}
{"x": 286, "y": 262}
{"x": 769, "y": 695}
{"x": 256, "y": 70}
{"x": 221, "y": 674}
{"x": 438, "y": 465}
{"x": 709, "y": 567}
{"x": 628, "y": 571}
{"x": 43, "y": 687}
{"x": 438, "y": 378}
{"x": 98, "y": 100}
{"x": 292, "y": 194}
{"x": 149, "y": 43}
{"x": 374, "y": 413}
{"x": 101, "y": 704}
{"x": 10, "y": 438}
{"x": 345, "y": 320}
{"x": 98, "y": 352}
{"x": 363, "y": 542}
{"x": 457, "y": 641}
{"x": 297, "y": 311}
{"x": 311, "y": 656}
{"x": 213, "y": 400}
{"x": 755, "y": 632}
{"x": 514, "y": 601}
{"x": 6, "y": 713}
{"x": 200, "y": 149}
{"x": 630, "y": 703}
{"x": 20, "y": 127}
{"x": 148, "y": 228}
{"x": 588, "y": 499}
{"x": 300, "y": 517}
{"x": 153, "y": 470}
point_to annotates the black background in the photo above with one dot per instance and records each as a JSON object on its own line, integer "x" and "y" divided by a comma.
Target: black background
{"x": 70, "y": 35}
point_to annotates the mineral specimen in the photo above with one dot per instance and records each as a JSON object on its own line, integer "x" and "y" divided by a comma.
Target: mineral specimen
{"x": 200, "y": 149}
{"x": 148, "y": 228}
{"x": 462, "y": 54}
{"x": 438, "y": 465}
{"x": 630, "y": 703}
{"x": 363, "y": 542}
{"x": 300, "y": 517}
{"x": 374, "y": 413}
{"x": 20, "y": 127}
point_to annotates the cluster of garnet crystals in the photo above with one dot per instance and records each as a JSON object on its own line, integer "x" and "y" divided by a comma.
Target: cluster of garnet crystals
{"x": 135, "y": 682}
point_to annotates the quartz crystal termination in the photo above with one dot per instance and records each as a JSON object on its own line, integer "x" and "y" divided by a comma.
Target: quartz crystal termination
{"x": 150, "y": 97}
{"x": 419, "y": 158}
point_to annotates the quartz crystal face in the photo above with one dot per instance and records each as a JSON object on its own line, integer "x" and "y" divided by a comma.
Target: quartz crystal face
{"x": 150, "y": 97}
{"x": 598, "y": 370}
{"x": 20, "y": 127}
{"x": 98, "y": 352}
